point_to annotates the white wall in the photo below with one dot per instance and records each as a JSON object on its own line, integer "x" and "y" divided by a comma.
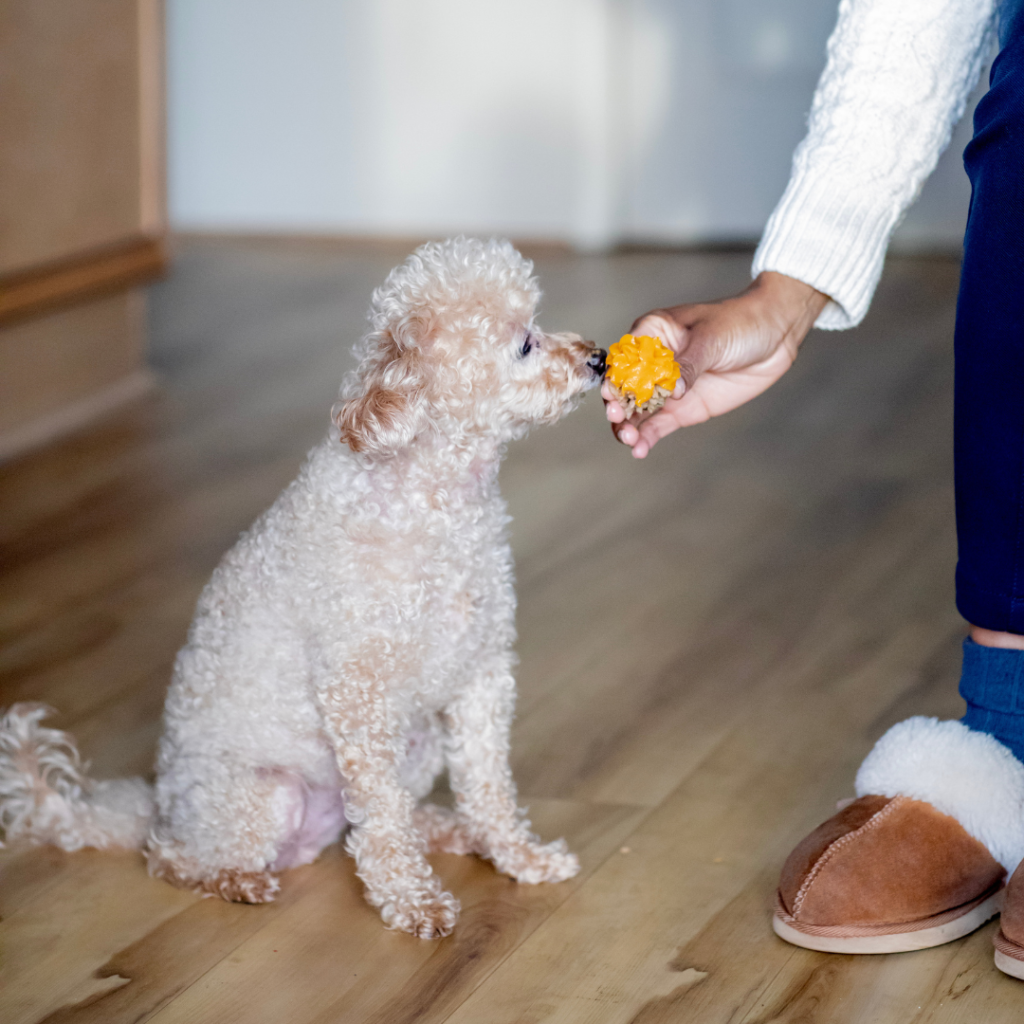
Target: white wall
{"x": 587, "y": 120}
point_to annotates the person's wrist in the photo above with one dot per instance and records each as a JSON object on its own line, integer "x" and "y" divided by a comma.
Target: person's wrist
{"x": 795, "y": 304}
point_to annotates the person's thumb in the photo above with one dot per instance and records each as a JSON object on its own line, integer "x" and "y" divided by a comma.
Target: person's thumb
{"x": 662, "y": 326}
{"x": 697, "y": 353}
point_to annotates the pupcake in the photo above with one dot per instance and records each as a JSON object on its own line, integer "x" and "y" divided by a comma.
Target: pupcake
{"x": 642, "y": 373}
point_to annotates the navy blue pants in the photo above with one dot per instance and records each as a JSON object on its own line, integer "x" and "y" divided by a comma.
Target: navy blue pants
{"x": 989, "y": 345}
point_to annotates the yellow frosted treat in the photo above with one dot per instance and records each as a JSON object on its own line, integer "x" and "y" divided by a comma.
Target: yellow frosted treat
{"x": 642, "y": 371}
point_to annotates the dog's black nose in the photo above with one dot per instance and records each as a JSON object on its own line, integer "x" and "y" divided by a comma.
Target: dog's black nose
{"x": 596, "y": 361}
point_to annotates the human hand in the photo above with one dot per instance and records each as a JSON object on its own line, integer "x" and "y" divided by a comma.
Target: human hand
{"x": 728, "y": 351}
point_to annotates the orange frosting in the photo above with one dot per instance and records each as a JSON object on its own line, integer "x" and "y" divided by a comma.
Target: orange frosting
{"x": 637, "y": 365}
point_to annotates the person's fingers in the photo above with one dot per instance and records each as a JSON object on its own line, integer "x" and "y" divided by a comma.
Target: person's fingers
{"x": 652, "y": 430}
{"x": 642, "y": 435}
{"x": 658, "y": 324}
{"x": 658, "y": 426}
{"x": 613, "y": 411}
{"x": 695, "y": 352}
{"x": 626, "y": 433}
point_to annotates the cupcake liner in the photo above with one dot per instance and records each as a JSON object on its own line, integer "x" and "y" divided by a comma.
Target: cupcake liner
{"x": 628, "y": 400}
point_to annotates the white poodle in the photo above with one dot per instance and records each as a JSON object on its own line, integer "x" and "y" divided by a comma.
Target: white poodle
{"x": 358, "y": 638}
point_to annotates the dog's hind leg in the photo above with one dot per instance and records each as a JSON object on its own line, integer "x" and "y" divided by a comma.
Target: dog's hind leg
{"x": 173, "y": 865}
{"x": 230, "y": 833}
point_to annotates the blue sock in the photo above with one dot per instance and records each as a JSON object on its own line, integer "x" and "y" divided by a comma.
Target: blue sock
{"x": 992, "y": 683}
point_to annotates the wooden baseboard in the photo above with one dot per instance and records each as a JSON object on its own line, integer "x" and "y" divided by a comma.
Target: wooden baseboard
{"x": 41, "y": 289}
{"x": 75, "y": 415}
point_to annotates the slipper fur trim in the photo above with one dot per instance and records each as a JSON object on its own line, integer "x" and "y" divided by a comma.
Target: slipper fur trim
{"x": 968, "y": 775}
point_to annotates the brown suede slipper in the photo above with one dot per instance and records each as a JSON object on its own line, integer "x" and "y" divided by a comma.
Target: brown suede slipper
{"x": 920, "y": 857}
{"x": 886, "y": 875}
{"x": 1009, "y": 940}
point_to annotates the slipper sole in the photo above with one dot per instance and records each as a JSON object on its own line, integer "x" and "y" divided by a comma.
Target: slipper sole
{"x": 934, "y": 931}
{"x": 1009, "y": 956}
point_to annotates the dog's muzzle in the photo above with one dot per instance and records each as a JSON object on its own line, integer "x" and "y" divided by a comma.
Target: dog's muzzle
{"x": 596, "y": 361}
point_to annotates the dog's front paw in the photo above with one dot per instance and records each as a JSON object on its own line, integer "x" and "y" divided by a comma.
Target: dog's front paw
{"x": 533, "y": 862}
{"x": 429, "y": 917}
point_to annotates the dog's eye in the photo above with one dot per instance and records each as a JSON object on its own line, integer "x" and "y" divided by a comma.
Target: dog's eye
{"x": 527, "y": 345}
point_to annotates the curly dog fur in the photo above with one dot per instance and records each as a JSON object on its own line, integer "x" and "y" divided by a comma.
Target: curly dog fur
{"x": 358, "y": 638}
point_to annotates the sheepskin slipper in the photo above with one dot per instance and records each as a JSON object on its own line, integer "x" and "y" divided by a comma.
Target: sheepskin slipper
{"x": 920, "y": 857}
{"x": 1009, "y": 939}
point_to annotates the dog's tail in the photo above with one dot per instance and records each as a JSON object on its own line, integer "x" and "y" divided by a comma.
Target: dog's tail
{"x": 46, "y": 796}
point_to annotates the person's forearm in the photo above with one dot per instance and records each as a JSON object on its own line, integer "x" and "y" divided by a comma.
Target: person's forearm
{"x": 897, "y": 78}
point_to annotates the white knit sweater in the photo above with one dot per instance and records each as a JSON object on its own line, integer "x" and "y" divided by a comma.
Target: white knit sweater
{"x": 897, "y": 78}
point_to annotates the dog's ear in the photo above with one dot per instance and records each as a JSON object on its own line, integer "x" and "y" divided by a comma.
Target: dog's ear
{"x": 389, "y": 412}
{"x": 380, "y": 421}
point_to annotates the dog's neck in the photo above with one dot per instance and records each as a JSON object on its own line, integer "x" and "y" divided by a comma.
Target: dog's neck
{"x": 464, "y": 471}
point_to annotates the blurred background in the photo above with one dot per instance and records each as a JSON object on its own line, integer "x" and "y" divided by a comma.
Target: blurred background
{"x": 586, "y": 124}
{"x": 592, "y": 122}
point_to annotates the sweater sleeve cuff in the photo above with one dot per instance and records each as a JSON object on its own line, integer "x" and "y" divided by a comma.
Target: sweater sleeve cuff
{"x": 833, "y": 241}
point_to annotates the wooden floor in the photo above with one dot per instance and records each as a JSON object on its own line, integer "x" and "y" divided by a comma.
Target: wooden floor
{"x": 711, "y": 640}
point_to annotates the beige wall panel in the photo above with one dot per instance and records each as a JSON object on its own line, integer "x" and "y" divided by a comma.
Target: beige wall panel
{"x": 54, "y": 361}
{"x": 73, "y": 134}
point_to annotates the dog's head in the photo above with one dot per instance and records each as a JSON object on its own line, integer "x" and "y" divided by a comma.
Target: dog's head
{"x": 454, "y": 351}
